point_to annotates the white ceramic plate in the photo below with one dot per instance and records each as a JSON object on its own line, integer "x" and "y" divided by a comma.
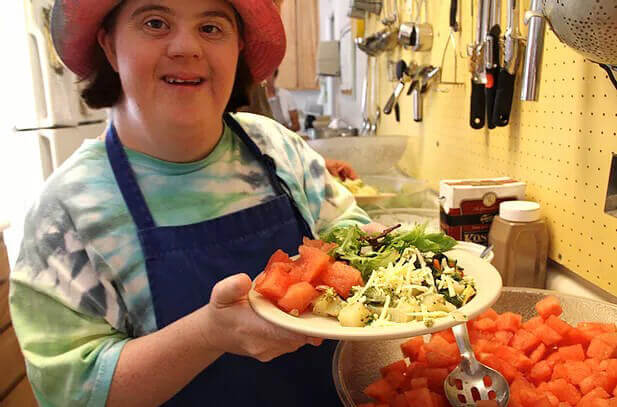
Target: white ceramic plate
{"x": 476, "y": 249}
{"x": 488, "y": 286}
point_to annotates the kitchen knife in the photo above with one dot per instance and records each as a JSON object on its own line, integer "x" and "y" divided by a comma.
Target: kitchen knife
{"x": 507, "y": 74}
{"x": 477, "y": 119}
{"x": 492, "y": 62}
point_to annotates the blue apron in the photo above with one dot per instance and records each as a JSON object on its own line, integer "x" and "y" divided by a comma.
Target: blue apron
{"x": 183, "y": 263}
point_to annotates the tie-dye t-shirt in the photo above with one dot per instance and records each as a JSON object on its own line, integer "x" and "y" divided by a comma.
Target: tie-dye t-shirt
{"x": 79, "y": 290}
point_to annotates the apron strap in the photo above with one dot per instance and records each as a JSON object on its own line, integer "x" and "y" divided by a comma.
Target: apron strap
{"x": 127, "y": 182}
{"x": 279, "y": 186}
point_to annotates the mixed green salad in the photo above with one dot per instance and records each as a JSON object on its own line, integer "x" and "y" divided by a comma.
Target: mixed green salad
{"x": 407, "y": 277}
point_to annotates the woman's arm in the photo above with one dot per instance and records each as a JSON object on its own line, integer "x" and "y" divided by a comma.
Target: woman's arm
{"x": 294, "y": 120}
{"x": 153, "y": 368}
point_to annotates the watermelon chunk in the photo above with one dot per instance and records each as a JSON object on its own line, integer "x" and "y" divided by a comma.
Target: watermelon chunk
{"x": 313, "y": 262}
{"x": 504, "y": 337}
{"x": 411, "y": 348}
{"x": 533, "y": 323}
{"x": 279, "y": 256}
{"x": 419, "y": 397}
{"x": 538, "y": 353}
{"x": 485, "y": 324}
{"x": 273, "y": 282}
{"x": 297, "y": 298}
{"x": 549, "y": 305}
{"x": 380, "y": 390}
{"x": 399, "y": 401}
{"x": 547, "y": 335}
{"x": 524, "y": 340}
{"x": 564, "y": 391}
{"x": 419, "y": 382}
{"x": 541, "y": 372}
{"x": 398, "y": 366}
{"x": 509, "y": 321}
{"x": 558, "y": 325}
{"x": 574, "y": 352}
{"x": 489, "y": 313}
{"x": 341, "y": 277}
{"x": 577, "y": 371}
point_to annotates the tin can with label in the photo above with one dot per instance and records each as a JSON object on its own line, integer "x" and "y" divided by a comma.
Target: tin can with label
{"x": 468, "y": 206}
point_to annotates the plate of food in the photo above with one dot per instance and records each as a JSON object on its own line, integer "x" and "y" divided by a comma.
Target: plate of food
{"x": 351, "y": 285}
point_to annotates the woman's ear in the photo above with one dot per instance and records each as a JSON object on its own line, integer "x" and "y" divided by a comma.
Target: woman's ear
{"x": 106, "y": 43}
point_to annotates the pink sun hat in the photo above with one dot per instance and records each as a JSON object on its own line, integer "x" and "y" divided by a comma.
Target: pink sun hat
{"x": 75, "y": 23}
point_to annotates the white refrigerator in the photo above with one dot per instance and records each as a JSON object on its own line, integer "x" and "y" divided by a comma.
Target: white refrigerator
{"x": 45, "y": 120}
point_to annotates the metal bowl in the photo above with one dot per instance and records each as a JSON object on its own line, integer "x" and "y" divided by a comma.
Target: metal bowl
{"x": 356, "y": 364}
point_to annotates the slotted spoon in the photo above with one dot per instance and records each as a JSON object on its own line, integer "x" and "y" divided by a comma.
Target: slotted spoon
{"x": 471, "y": 380}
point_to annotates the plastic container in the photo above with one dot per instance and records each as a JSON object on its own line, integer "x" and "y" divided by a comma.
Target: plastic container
{"x": 520, "y": 239}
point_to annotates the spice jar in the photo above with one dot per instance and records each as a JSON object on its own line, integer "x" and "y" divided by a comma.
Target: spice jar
{"x": 520, "y": 239}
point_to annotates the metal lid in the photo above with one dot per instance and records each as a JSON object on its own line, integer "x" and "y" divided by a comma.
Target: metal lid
{"x": 519, "y": 211}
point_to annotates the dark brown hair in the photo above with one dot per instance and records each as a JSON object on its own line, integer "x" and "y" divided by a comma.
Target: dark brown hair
{"x": 104, "y": 88}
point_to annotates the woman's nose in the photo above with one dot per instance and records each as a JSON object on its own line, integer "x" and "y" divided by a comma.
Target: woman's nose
{"x": 185, "y": 43}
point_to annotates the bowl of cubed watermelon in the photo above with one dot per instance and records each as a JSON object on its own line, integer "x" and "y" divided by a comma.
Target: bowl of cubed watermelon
{"x": 554, "y": 349}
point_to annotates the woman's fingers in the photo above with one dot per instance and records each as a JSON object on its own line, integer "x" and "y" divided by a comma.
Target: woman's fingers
{"x": 373, "y": 227}
{"x": 340, "y": 169}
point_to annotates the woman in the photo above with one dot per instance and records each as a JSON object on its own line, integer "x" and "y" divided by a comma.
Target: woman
{"x": 131, "y": 286}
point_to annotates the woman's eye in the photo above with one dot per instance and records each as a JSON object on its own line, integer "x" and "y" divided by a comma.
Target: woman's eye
{"x": 155, "y": 24}
{"x": 210, "y": 29}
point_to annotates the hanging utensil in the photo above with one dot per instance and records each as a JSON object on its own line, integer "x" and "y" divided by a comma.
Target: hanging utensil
{"x": 365, "y": 123}
{"x": 373, "y": 99}
{"x": 507, "y": 74}
{"x": 534, "y": 52}
{"x": 471, "y": 381}
{"x": 427, "y": 74}
{"x": 477, "y": 118}
{"x": 402, "y": 73}
{"x": 493, "y": 56}
{"x": 391, "y": 13}
{"x": 454, "y": 29}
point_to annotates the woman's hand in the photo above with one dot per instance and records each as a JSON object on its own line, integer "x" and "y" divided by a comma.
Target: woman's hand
{"x": 232, "y": 326}
{"x": 341, "y": 169}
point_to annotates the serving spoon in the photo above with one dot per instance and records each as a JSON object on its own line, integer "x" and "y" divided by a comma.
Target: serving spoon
{"x": 471, "y": 381}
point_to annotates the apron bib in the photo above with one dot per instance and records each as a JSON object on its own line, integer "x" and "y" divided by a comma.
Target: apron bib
{"x": 183, "y": 263}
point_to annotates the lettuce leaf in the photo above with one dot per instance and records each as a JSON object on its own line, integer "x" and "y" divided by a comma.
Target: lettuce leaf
{"x": 351, "y": 240}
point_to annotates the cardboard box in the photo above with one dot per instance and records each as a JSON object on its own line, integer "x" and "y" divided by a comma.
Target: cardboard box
{"x": 469, "y": 205}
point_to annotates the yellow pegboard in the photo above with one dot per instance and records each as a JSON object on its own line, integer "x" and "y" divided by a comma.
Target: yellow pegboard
{"x": 561, "y": 145}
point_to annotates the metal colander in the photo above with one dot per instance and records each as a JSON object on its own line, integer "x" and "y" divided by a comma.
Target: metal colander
{"x": 588, "y": 26}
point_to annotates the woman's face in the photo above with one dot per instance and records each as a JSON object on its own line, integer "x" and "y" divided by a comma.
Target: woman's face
{"x": 176, "y": 58}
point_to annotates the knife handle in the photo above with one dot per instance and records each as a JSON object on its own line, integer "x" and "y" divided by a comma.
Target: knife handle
{"x": 478, "y": 106}
{"x": 491, "y": 89}
{"x": 453, "y": 15}
{"x": 503, "y": 98}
